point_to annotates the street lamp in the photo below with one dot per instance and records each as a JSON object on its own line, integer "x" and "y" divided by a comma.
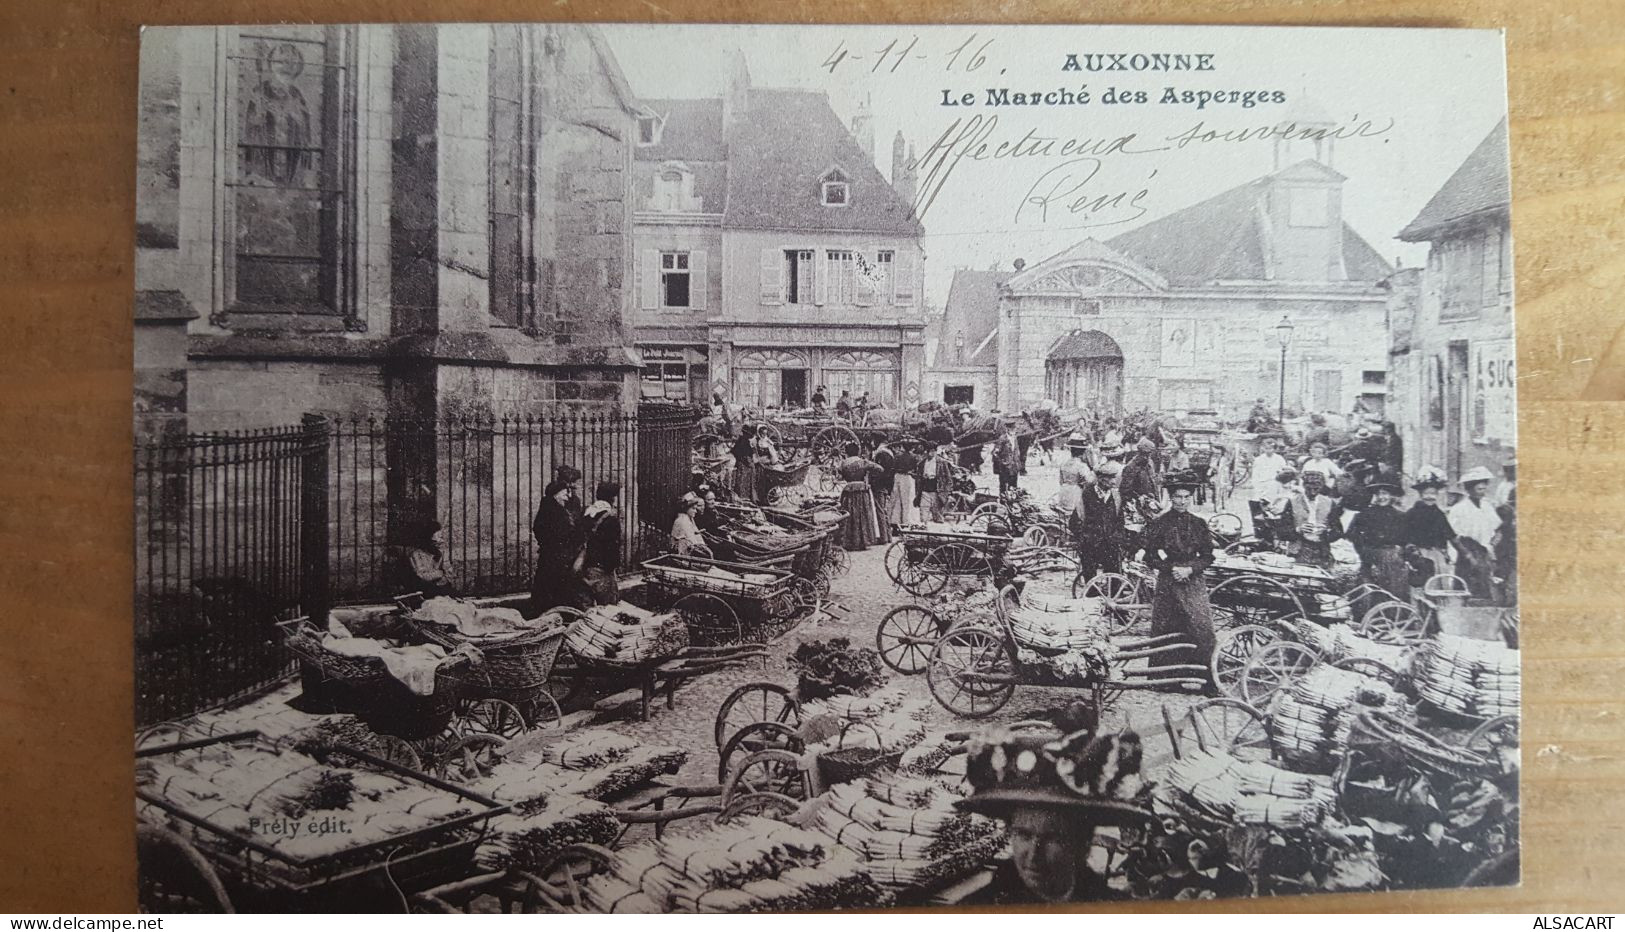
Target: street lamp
{"x": 1283, "y": 335}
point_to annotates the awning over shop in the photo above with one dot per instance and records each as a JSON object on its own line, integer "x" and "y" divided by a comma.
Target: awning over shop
{"x": 1086, "y": 344}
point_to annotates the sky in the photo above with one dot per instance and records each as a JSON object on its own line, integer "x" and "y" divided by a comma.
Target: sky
{"x": 1415, "y": 101}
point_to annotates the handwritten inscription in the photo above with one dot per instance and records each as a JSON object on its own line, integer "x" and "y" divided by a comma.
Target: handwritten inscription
{"x": 969, "y": 55}
{"x": 1068, "y": 190}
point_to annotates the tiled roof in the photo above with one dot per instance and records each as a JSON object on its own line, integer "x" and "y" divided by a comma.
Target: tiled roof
{"x": 692, "y": 131}
{"x": 777, "y": 156}
{"x": 1221, "y": 239}
{"x": 1480, "y": 183}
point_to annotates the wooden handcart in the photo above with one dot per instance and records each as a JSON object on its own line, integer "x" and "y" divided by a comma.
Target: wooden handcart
{"x": 722, "y": 602}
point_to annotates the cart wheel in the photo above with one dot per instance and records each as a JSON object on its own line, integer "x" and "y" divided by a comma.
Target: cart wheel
{"x": 1497, "y": 741}
{"x": 769, "y": 433}
{"x": 905, "y": 637}
{"x": 1114, "y": 587}
{"x": 828, "y": 481}
{"x": 471, "y": 758}
{"x": 1250, "y": 599}
{"x": 959, "y": 665}
{"x": 1392, "y": 623}
{"x": 397, "y": 751}
{"x": 768, "y": 772}
{"x": 542, "y": 712}
{"x": 755, "y": 702}
{"x": 491, "y": 717}
{"x": 758, "y": 736}
{"x": 957, "y": 561}
{"x": 1227, "y": 726}
{"x": 893, "y": 559}
{"x": 1273, "y": 668}
{"x": 984, "y": 516}
{"x": 1038, "y": 536}
{"x": 1232, "y": 649}
{"x": 1370, "y": 667}
{"x": 838, "y": 561}
{"x": 917, "y": 578}
{"x": 710, "y": 620}
{"x": 829, "y": 444}
{"x": 562, "y": 881}
{"x": 173, "y": 876}
{"x": 776, "y": 806}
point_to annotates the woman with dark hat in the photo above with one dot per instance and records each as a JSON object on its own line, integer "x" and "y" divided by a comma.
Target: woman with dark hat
{"x": 1179, "y": 546}
{"x": 1427, "y": 528}
{"x": 744, "y": 453}
{"x": 601, "y": 544}
{"x": 862, "y": 526}
{"x": 1378, "y": 536}
{"x": 1053, "y": 790}
{"x": 556, "y": 545}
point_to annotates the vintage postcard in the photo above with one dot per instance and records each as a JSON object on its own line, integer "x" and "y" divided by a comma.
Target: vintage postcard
{"x": 834, "y": 467}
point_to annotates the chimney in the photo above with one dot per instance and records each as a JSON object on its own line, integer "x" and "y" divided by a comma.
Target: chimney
{"x": 903, "y": 170}
{"x": 736, "y": 97}
{"x": 863, "y": 129}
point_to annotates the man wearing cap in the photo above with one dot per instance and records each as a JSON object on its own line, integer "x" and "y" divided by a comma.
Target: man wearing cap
{"x": 1098, "y": 524}
{"x": 1477, "y": 525}
{"x": 1179, "y": 546}
{"x": 1378, "y": 536}
{"x": 1053, "y": 790}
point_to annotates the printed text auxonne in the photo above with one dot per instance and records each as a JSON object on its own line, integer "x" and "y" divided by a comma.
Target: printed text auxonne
{"x": 1138, "y": 61}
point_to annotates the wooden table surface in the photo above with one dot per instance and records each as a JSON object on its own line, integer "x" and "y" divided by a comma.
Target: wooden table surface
{"x": 68, "y": 104}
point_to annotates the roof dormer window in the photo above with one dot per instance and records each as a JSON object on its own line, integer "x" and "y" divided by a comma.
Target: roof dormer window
{"x": 648, "y": 130}
{"x": 836, "y": 189}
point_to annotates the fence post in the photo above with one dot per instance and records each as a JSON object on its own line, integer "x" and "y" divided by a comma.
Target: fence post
{"x": 313, "y": 532}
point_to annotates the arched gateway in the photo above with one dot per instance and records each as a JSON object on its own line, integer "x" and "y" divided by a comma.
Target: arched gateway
{"x": 1085, "y": 370}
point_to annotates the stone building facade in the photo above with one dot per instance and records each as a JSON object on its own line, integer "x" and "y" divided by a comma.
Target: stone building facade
{"x": 1181, "y": 313}
{"x": 773, "y": 258}
{"x": 1452, "y": 352}
{"x": 411, "y": 219}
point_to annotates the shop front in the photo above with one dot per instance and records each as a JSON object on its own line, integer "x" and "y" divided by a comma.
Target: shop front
{"x": 676, "y": 373}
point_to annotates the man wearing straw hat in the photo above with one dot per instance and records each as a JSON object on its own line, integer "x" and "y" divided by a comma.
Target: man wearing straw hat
{"x": 1053, "y": 791}
{"x": 1179, "y": 546}
{"x": 1477, "y": 525}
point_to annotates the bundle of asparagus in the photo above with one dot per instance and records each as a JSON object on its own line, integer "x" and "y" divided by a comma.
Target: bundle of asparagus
{"x": 858, "y": 708}
{"x": 526, "y": 837}
{"x": 624, "y": 633}
{"x": 1469, "y": 676}
{"x": 748, "y": 865}
{"x": 594, "y": 764}
{"x": 1250, "y": 792}
{"x": 1058, "y": 630}
{"x": 1315, "y": 719}
{"x": 907, "y": 829}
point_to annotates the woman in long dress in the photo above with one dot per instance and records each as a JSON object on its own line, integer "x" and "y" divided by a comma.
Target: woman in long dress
{"x": 862, "y": 527}
{"x": 557, "y": 542}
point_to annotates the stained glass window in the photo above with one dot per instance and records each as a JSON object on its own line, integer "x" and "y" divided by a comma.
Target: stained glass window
{"x": 289, "y": 187}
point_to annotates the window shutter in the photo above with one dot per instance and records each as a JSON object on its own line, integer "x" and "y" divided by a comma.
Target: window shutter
{"x": 1491, "y": 284}
{"x": 904, "y": 273}
{"x": 820, "y": 276}
{"x": 649, "y": 280}
{"x": 1506, "y": 262}
{"x": 772, "y": 276}
{"x": 866, "y": 282}
{"x": 697, "y": 280}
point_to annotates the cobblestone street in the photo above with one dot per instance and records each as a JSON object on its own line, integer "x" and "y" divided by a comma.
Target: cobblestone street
{"x": 863, "y": 596}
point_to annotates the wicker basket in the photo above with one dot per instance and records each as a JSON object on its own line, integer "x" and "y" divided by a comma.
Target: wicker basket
{"x": 386, "y": 705}
{"x": 845, "y": 764}
{"x": 521, "y": 662}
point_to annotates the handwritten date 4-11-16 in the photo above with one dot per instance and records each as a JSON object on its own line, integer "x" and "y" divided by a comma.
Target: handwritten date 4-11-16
{"x": 968, "y": 55}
